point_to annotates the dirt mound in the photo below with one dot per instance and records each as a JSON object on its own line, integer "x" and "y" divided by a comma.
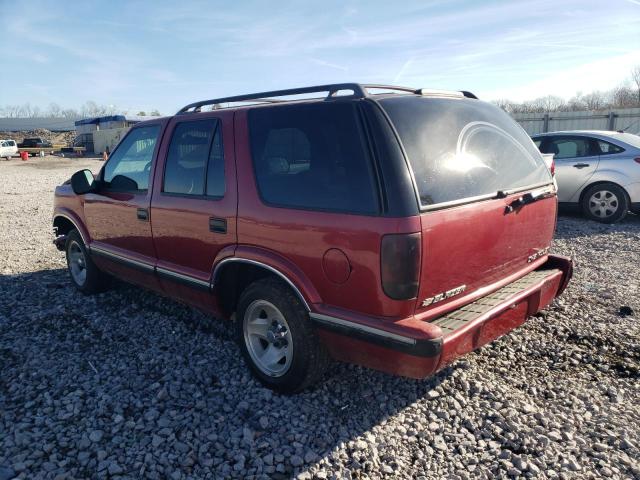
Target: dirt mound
{"x": 56, "y": 138}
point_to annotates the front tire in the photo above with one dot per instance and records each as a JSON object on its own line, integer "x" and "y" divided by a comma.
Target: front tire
{"x": 605, "y": 203}
{"x": 84, "y": 274}
{"x": 277, "y": 339}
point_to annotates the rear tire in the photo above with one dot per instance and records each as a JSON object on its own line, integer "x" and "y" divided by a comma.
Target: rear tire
{"x": 277, "y": 339}
{"x": 84, "y": 274}
{"x": 605, "y": 203}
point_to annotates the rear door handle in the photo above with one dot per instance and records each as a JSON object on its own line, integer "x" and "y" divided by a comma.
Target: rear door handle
{"x": 217, "y": 225}
{"x": 580, "y": 165}
{"x": 143, "y": 214}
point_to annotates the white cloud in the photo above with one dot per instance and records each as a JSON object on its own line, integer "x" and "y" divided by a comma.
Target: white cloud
{"x": 602, "y": 74}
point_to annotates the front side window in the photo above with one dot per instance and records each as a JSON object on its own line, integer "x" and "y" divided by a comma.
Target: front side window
{"x": 129, "y": 165}
{"x": 460, "y": 149}
{"x": 312, "y": 157}
{"x": 195, "y": 162}
{"x": 569, "y": 147}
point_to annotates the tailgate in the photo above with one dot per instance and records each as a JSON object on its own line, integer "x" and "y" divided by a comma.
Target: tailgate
{"x": 468, "y": 159}
{"x": 473, "y": 246}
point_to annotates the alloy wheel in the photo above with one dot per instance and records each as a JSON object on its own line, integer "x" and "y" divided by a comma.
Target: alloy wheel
{"x": 77, "y": 263}
{"x": 268, "y": 338}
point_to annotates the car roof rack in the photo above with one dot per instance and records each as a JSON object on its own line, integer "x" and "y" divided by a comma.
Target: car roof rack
{"x": 359, "y": 91}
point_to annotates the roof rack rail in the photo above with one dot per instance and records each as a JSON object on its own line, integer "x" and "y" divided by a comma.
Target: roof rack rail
{"x": 359, "y": 91}
{"x": 332, "y": 89}
{"x": 423, "y": 91}
{"x": 389, "y": 87}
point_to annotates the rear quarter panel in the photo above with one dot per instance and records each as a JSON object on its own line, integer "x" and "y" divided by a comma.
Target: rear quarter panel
{"x": 620, "y": 170}
{"x": 302, "y": 237}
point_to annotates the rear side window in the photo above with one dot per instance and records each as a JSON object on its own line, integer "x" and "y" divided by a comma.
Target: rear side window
{"x": 195, "y": 163}
{"x": 312, "y": 157}
{"x": 461, "y": 148}
{"x": 607, "y": 148}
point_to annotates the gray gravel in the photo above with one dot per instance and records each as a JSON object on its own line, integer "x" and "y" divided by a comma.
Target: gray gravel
{"x": 127, "y": 384}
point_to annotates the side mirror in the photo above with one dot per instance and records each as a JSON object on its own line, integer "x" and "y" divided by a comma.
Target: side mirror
{"x": 82, "y": 182}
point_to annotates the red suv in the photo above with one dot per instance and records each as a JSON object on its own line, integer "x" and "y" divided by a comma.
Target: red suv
{"x": 398, "y": 230}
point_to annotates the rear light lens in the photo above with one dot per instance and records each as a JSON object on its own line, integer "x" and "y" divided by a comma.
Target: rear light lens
{"x": 400, "y": 265}
{"x": 550, "y": 160}
{"x": 637, "y": 159}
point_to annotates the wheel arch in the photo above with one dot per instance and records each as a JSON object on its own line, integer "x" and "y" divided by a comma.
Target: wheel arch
{"x": 64, "y": 222}
{"x": 586, "y": 188}
{"x": 232, "y": 275}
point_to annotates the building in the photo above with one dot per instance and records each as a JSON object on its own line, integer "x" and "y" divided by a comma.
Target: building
{"x": 98, "y": 133}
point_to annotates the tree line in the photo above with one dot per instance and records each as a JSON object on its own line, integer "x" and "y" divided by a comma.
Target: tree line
{"x": 87, "y": 110}
{"x": 626, "y": 95}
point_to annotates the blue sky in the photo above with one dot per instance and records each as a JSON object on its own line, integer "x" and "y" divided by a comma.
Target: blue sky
{"x": 140, "y": 55}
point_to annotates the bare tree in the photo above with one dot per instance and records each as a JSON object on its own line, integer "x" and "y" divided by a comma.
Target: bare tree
{"x": 54, "y": 110}
{"x": 635, "y": 78}
{"x": 624, "y": 96}
{"x": 70, "y": 113}
{"x": 595, "y": 101}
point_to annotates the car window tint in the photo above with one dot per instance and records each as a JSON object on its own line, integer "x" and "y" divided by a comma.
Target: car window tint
{"x": 131, "y": 160}
{"x": 607, "y": 148}
{"x": 569, "y": 147}
{"x": 461, "y": 148}
{"x": 312, "y": 156}
{"x": 215, "y": 169}
{"x": 537, "y": 142}
{"x": 187, "y": 157}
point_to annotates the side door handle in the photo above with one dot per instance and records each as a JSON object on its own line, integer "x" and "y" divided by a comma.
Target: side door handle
{"x": 580, "y": 165}
{"x": 217, "y": 225}
{"x": 143, "y": 214}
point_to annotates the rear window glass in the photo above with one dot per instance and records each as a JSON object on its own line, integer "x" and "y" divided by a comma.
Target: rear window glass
{"x": 460, "y": 149}
{"x": 312, "y": 157}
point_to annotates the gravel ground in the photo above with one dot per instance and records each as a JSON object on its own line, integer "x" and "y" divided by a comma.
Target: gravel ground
{"x": 127, "y": 384}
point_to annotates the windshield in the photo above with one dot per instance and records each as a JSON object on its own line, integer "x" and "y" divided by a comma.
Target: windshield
{"x": 461, "y": 148}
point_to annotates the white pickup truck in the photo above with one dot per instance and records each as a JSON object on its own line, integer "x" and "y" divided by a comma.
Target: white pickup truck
{"x": 8, "y": 149}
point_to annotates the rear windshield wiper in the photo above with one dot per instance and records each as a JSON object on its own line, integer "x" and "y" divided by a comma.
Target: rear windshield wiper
{"x": 527, "y": 198}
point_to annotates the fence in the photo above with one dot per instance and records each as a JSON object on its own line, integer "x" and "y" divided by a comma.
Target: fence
{"x": 627, "y": 119}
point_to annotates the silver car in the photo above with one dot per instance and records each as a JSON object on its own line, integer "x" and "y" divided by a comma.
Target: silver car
{"x": 596, "y": 171}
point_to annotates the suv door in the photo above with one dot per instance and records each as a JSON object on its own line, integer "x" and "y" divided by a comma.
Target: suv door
{"x": 576, "y": 159}
{"x": 117, "y": 215}
{"x": 193, "y": 209}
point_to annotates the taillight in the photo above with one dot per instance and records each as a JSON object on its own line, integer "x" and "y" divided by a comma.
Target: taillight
{"x": 550, "y": 161}
{"x": 400, "y": 265}
{"x": 637, "y": 159}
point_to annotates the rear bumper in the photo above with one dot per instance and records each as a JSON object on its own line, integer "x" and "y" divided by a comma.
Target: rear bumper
{"x": 417, "y": 349}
